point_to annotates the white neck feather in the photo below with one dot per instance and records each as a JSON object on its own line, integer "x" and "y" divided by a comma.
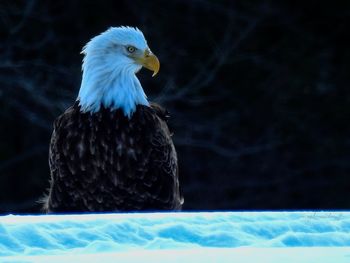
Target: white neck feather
{"x": 112, "y": 85}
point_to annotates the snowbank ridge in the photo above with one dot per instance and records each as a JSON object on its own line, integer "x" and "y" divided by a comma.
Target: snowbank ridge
{"x": 104, "y": 233}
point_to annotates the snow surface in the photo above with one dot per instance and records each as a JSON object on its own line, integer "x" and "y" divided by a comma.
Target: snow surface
{"x": 177, "y": 237}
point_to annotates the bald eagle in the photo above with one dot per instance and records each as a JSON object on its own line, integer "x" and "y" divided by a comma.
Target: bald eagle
{"x": 112, "y": 150}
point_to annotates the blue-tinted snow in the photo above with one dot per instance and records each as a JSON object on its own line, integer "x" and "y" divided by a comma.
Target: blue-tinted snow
{"x": 74, "y": 235}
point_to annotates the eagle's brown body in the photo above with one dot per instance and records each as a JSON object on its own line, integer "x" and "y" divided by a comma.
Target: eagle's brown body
{"x": 105, "y": 161}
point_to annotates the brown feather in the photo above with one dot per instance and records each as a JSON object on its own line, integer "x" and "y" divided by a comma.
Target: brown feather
{"x": 105, "y": 161}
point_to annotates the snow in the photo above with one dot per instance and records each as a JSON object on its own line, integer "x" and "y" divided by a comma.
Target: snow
{"x": 177, "y": 237}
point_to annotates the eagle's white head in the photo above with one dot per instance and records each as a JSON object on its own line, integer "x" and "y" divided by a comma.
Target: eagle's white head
{"x": 111, "y": 61}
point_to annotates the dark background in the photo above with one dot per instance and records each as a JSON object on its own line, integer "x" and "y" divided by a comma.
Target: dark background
{"x": 258, "y": 93}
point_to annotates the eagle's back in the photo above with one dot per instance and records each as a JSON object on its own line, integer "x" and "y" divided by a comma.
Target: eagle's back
{"x": 105, "y": 161}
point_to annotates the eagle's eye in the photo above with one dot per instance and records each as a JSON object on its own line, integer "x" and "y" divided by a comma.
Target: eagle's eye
{"x": 131, "y": 49}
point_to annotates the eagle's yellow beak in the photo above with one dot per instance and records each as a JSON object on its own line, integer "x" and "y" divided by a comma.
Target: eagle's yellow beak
{"x": 149, "y": 61}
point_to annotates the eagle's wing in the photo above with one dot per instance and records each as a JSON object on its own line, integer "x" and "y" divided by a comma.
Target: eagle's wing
{"x": 163, "y": 164}
{"x": 56, "y": 195}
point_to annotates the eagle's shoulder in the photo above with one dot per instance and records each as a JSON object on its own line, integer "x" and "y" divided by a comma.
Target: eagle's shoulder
{"x": 69, "y": 114}
{"x": 160, "y": 111}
